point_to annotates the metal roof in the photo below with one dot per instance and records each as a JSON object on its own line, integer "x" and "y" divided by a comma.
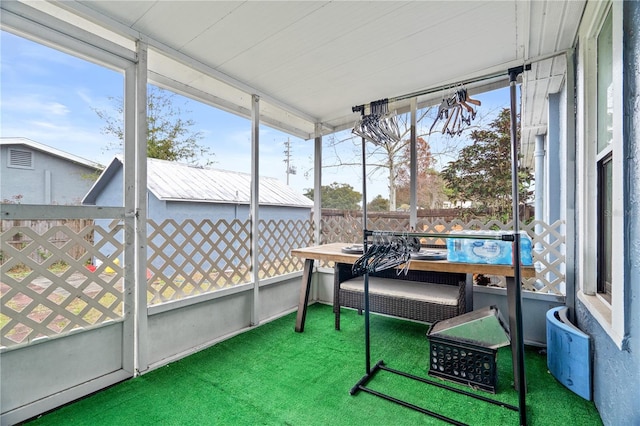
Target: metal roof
{"x": 171, "y": 181}
{"x": 52, "y": 151}
{"x": 312, "y": 61}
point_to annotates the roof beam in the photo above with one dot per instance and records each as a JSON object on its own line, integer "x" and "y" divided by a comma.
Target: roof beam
{"x": 43, "y": 28}
{"x": 120, "y": 29}
{"x": 223, "y": 104}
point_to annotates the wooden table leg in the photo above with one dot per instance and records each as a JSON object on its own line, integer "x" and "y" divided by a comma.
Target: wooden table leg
{"x": 305, "y": 288}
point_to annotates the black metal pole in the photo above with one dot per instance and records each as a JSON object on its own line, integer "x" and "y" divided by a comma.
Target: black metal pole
{"x": 519, "y": 371}
{"x": 367, "y": 341}
{"x": 361, "y": 110}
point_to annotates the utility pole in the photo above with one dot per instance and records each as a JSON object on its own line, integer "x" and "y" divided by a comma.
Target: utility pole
{"x": 287, "y": 159}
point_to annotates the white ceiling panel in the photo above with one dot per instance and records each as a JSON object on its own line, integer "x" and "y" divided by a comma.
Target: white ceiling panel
{"x": 311, "y": 44}
{"x": 177, "y": 23}
{"x": 311, "y": 61}
{"x": 128, "y": 15}
{"x": 245, "y": 29}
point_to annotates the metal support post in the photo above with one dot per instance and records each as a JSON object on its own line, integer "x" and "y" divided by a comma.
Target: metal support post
{"x": 255, "y": 203}
{"x": 413, "y": 209}
{"x": 514, "y": 291}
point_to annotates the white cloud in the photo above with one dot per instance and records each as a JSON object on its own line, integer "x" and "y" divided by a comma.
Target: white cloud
{"x": 34, "y": 105}
{"x": 56, "y": 108}
{"x": 86, "y": 98}
{"x": 46, "y": 125}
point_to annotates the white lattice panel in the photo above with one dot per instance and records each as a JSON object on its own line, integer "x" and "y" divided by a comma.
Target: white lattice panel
{"x": 49, "y": 285}
{"x": 339, "y": 229}
{"x": 277, "y": 239}
{"x": 188, "y": 258}
{"x": 549, "y": 256}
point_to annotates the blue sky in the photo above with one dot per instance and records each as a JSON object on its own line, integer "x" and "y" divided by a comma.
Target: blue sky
{"x": 49, "y": 96}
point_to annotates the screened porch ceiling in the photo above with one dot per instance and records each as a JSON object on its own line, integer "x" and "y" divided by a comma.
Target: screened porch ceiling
{"x": 311, "y": 61}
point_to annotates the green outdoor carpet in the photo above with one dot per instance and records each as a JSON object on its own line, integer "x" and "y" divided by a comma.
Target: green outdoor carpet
{"x": 274, "y": 376}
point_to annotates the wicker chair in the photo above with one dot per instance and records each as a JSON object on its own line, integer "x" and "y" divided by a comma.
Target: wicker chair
{"x": 420, "y": 308}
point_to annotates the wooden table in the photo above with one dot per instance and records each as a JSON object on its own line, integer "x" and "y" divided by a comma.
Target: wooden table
{"x": 333, "y": 253}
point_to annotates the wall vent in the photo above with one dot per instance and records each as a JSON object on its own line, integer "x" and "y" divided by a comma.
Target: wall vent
{"x": 20, "y": 159}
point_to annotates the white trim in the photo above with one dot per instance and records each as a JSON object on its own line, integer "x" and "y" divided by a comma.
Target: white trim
{"x": 44, "y": 339}
{"x": 265, "y": 282}
{"x": 610, "y": 317}
{"x": 199, "y": 298}
{"x": 28, "y": 22}
{"x": 254, "y": 207}
{"x": 601, "y": 312}
{"x": 141, "y": 340}
{"x": 526, "y": 294}
{"x": 129, "y": 347}
{"x": 198, "y": 95}
{"x": 225, "y": 292}
{"x": 42, "y": 211}
{"x": 317, "y": 187}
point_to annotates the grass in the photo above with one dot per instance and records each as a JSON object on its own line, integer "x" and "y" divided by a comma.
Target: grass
{"x": 274, "y": 376}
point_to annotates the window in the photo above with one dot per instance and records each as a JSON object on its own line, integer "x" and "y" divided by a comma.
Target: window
{"x": 605, "y": 206}
{"x": 604, "y": 153}
{"x": 601, "y": 198}
{"x": 20, "y": 159}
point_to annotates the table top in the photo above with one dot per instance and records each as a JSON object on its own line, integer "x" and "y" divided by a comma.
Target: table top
{"x": 333, "y": 253}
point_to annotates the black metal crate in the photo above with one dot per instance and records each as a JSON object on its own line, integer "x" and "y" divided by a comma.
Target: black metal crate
{"x": 463, "y": 349}
{"x": 463, "y": 363}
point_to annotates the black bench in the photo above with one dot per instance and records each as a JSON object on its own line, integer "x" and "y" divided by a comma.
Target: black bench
{"x": 419, "y": 295}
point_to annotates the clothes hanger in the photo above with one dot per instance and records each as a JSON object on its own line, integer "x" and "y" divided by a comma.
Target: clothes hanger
{"x": 379, "y": 126}
{"x": 443, "y": 110}
{"x": 464, "y": 95}
{"x": 454, "y": 117}
{"x": 456, "y": 110}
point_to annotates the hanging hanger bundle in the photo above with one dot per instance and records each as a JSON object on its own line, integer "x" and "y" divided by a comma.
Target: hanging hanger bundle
{"x": 456, "y": 111}
{"x": 379, "y": 126}
{"x": 387, "y": 251}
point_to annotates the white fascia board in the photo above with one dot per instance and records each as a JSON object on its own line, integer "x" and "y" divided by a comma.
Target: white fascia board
{"x": 46, "y": 29}
{"x": 44, "y": 211}
{"x": 223, "y": 104}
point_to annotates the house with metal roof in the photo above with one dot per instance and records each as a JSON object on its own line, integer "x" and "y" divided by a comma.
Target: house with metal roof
{"x": 34, "y": 173}
{"x": 180, "y": 191}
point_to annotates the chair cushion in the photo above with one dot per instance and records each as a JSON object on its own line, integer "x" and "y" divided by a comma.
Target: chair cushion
{"x": 428, "y": 292}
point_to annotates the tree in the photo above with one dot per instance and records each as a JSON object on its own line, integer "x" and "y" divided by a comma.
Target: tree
{"x": 378, "y": 204}
{"x": 429, "y": 185}
{"x": 169, "y": 134}
{"x": 387, "y": 157}
{"x": 337, "y": 196}
{"x": 482, "y": 172}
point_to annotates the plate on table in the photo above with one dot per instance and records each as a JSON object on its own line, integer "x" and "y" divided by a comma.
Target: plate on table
{"x": 353, "y": 249}
{"x": 429, "y": 254}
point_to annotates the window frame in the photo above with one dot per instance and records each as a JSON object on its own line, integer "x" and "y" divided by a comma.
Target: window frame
{"x": 611, "y": 316}
{"x": 604, "y": 289}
